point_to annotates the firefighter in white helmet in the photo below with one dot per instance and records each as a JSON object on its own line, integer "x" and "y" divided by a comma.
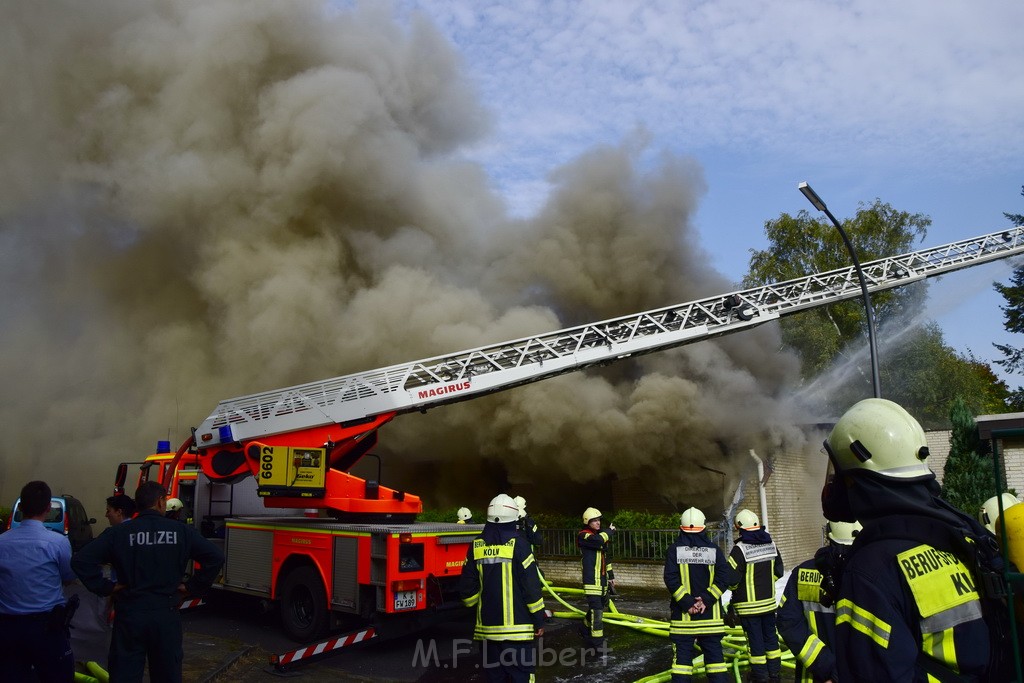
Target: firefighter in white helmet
{"x": 696, "y": 575}
{"x": 908, "y": 606}
{"x": 597, "y": 574}
{"x": 527, "y": 527}
{"x": 807, "y": 614}
{"x": 989, "y": 512}
{"x": 757, "y": 563}
{"x": 464, "y": 516}
{"x": 174, "y": 509}
{"x": 500, "y": 580}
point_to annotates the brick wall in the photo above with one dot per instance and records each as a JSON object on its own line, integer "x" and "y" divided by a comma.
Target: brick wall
{"x": 1012, "y": 452}
{"x": 793, "y": 497}
{"x": 938, "y": 450}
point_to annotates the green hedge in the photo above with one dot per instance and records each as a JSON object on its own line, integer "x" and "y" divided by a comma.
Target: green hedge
{"x": 5, "y": 514}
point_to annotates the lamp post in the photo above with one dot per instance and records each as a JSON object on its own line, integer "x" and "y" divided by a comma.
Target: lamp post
{"x": 816, "y": 201}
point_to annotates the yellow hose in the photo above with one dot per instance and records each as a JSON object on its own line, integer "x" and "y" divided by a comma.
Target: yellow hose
{"x": 98, "y": 671}
{"x": 734, "y": 642}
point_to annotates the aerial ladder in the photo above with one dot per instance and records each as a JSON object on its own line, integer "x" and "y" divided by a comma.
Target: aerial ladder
{"x": 299, "y": 442}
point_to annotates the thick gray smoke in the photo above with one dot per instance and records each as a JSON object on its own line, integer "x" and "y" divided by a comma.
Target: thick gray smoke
{"x": 202, "y": 200}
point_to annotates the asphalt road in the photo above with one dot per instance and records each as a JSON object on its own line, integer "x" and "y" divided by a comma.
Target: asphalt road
{"x": 232, "y": 639}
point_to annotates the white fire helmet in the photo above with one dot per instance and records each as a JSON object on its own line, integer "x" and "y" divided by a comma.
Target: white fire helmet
{"x": 879, "y": 436}
{"x": 464, "y": 514}
{"x": 747, "y": 520}
{"x": 692, "y": 521}
{"x": 843, "y": 533}
{"x": 521, "y": 504}
{"x": 990, "y": 510}
{"x": 591, "y": 514}
{"x": 502, "y": 509}
{"x": 173, "y": 505}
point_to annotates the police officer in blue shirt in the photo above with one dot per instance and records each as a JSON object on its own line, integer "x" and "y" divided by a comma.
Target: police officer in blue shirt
{"x": 150, "y": 554}
{"x": 34, "y": 563}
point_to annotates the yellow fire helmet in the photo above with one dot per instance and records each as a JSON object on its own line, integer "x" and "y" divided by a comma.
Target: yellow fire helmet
{"x": 591, "y": 514}
{"x": 745, "y": 519}
{"x": 692, "y": 521}
{"x": 879, "y": 436}
{"x": 464, "y": 514}
{"x": 990, "y": 510}
{"x": 173, "y": 505}
{"x": 843, "y": 533}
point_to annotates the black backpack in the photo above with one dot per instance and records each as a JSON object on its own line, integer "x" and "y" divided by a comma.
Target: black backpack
{"x": 980, "y": 554}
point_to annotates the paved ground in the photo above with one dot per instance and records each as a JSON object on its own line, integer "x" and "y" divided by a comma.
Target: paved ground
{"x": 226, "y": 645}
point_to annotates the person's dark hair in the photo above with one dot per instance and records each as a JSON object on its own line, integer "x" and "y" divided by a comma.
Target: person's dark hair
{"x": 148, "y": 494}
{"x": 35, "y": 498}
{"x": 122, "y": 503}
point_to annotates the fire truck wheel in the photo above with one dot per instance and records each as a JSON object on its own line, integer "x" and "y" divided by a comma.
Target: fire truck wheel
{"x": 304, "y": 612}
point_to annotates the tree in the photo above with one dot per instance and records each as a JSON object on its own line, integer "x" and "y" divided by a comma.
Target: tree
{"x": 800, "y": 245}
{"x": 1013, "y": 321}
{"x": 968, "y": 479}
{"x": 916, "y": 367}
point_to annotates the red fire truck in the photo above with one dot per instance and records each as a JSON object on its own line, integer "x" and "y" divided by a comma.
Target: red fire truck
{"x": 252, "y": 471}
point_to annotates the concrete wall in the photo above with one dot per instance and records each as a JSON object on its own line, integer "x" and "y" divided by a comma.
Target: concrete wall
{"x": 568, "y": 573}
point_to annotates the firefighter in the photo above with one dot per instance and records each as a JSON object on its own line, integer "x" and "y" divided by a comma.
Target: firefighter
{"x": 149, "y": 554}
{"x": 908, "y": 608}
{"x": 173, "y": 509}
{"x": 464, "y": 516}
{"x": 757, "y": 563}
{"x": 500, "y": 581}
{"x": 696, "y": 575}
{"x": 990, "y": 510}
{"x": 807, "y": 615}
{"x": 598, "y": 576}
{"x": 527, "y": 527}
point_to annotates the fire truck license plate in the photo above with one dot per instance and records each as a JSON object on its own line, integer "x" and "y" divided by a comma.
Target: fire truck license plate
{"x": 405, "y": 600}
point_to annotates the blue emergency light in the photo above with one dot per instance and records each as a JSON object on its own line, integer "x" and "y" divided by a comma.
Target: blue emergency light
{"x": 163, "y": 446}
{"x": 224, "y": 434}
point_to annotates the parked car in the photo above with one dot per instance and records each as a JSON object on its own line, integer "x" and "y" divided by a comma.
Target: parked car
{"x": 67, "y": 516}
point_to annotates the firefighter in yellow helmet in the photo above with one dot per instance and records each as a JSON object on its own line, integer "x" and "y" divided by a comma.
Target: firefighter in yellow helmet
{"x": 597, "y": 574}
{"x": 696, "y": 575}
{"x": 908, "y": 608}
{"x": 757, "y": 563}
{"x": 807, "y": 615}
{"x": 500, "y": 580}
{"x": 990, "y": 509}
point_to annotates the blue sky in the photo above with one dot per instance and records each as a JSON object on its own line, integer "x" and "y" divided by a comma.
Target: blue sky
{"x": 917, "y": 103}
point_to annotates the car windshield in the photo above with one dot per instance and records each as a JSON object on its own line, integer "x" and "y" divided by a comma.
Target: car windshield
{"x": 56, "y": 513}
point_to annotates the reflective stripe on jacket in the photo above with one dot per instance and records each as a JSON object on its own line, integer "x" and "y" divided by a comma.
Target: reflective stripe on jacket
{"x": 900, "y": 598}
{"x": 807, "y": 626}
{"x": 757, "y": 566}
{"x": 696, "y": 567}
{"x": 597, "y": 567}
{"x": 502, "y": 582}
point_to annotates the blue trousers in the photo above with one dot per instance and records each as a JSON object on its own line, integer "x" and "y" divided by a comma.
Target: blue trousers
{"x": 710, "y": 645}
{"x": 32, "y": 650}
{"x": 508, "y": 661}
{"x": 141, "y": 634}
{"x": 763, "y": 641}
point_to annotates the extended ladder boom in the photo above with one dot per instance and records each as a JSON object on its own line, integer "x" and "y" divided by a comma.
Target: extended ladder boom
{"x": 447, "y": 379}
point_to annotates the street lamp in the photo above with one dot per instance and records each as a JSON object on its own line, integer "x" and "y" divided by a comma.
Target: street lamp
{"x": 815, "y": 200}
